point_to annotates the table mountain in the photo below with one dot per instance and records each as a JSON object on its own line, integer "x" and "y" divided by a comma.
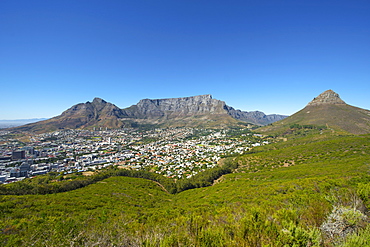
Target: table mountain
{"x": 174, "y": 109}
{"x": 330, "y": 110}
{"x": 197, "y": 111}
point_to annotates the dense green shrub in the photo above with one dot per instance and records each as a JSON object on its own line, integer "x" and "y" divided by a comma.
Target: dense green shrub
{"x": 280, "y": 195}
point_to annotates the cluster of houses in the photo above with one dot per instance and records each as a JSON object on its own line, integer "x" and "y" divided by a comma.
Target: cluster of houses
{"x": 172, "y": 152}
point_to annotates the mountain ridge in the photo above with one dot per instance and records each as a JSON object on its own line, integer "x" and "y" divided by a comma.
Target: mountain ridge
{"x": 194, "y": 111}
{"x": 200, "y": 104}
{"x": 97, "y": 113}
{"x": 327, "y": 109}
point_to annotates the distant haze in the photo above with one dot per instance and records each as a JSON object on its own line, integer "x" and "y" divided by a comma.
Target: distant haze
{"x": 18, "y": 122}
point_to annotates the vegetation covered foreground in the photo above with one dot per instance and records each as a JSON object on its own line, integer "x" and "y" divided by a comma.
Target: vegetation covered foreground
{"x": 310, "y": 191}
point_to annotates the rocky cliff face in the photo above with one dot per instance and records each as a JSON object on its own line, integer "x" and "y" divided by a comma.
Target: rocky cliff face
{"x": 327, "y": 97}
{"x": 96, "y": 113}
{"x": 196, "y": 111}
{"x": 176, "y": 107}
{"x": 96, "y": 109}
{"x": 192, "y": 106}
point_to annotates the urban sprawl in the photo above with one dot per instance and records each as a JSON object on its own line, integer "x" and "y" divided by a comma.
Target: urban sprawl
{"x": 173, "y": 152}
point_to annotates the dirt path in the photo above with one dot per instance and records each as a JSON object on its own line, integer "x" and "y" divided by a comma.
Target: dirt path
{"x": 163, "y": 188}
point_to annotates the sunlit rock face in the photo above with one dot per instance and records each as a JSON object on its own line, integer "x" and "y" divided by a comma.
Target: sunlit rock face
{"x": 327, "y": 97}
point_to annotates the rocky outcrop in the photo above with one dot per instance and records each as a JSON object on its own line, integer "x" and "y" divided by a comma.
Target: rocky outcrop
{"x": 96, "y": 109}
{"x": 192, "y": 106}
{"x": 156, "y": 108}
{"x": 344, "y": 221}
{"x": 97, "y": 113}
{"x": 327, "y": 110}
{"x": 327, "y": 97}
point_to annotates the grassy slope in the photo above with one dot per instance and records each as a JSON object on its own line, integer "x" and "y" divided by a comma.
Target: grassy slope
{"x": 345, "y": 117}
{"x": 280, "y": 195}
{"x": 44, "y": 220}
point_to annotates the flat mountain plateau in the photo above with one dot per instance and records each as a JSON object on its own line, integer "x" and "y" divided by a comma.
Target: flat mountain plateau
{"x": 198, "y": 111}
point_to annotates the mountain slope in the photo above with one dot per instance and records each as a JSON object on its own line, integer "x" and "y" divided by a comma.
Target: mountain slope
{"x": 197, "y": 111}
{"x": 189, "y": 109}
{"x": 18, "y": 122}
{"x": 255, "y": 117}
{"x": 330, "y": 110}
{"x": 97, "y": 113}
{"x": 281, "y": 195}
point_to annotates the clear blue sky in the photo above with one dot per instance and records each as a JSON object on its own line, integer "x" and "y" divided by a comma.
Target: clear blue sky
{"x": 272, "y": 56}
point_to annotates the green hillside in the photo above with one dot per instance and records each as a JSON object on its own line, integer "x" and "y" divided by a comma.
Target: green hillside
{"x": 284, "y": 194}
{"x": 338, "y": 117}
{"x": 326, "y": 110}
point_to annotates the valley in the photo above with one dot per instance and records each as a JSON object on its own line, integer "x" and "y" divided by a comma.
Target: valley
{"x": 184, "y": 123}
{"x": 279, "y": 194}
{"x": 300, "y": 181}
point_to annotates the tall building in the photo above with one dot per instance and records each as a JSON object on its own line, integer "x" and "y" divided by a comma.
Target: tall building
{"x": 18, "y": 155}
{"x": 29, "y": 150}
{"x": 24, "y": 169}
